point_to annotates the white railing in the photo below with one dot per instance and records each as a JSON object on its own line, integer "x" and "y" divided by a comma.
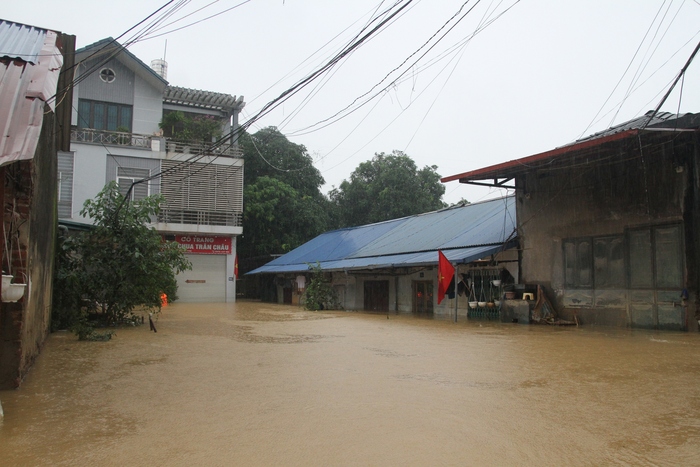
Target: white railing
{"x": 118, "y": 138}
{"x": 112, "y": 138}
{"x": 178, "y": 216}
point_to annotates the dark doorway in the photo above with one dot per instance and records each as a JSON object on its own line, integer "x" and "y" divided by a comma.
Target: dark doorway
{"x": 377, "y": 295}
{"x": 422, "y": 297}
{"x": 287, "y": 295}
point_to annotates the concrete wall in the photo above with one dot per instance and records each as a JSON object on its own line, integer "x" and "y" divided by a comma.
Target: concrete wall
{"x": 148, "y": 107}
{"x": 625, "y": 189}
{"x": 350, "y": 286}
{"x": 90, "y": 171}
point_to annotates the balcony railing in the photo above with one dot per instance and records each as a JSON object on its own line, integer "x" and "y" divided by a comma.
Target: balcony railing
{"x": 113, "y": 138}
{"x": 218, "y": 218}
{"x": 117, "y": 138}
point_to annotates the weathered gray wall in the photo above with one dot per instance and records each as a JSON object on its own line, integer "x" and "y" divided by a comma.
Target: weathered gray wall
{"x": 626, "y": 188}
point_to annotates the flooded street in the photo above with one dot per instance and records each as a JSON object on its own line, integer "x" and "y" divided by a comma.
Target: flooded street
{"x": 259, "y": 384}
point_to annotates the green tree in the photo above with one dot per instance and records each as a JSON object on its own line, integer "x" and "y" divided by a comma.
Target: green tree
{"x": 182, "y": 127}
{"x": 283, "y": 206}
{"x": 120, "y": 264}
{"x": 387, "y": 187}
{"x": 277, "y": 218}
{"x": 268, "y": 153}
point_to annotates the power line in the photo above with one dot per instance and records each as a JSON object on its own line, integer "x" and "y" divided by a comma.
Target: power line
{"x": 642, "y": 65}
{"x": 680, "y": 75}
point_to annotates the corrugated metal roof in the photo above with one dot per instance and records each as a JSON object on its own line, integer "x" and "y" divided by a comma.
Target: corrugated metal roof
{"x": 660, "y": 122}
{"x": 202, "y": 99}
{"x": 463, "y": 233}
{"x": 20, "y": 41}
{"x": 26, "y": 84}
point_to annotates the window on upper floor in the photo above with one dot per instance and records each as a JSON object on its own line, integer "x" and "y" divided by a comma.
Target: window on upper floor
{"x": 104, "y": 115}
{"x": 126, "y": 176}
{"x": 65, "y": 185}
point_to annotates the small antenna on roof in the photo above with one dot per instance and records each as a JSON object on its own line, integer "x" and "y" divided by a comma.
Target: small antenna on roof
{"x": 166, "y": 48}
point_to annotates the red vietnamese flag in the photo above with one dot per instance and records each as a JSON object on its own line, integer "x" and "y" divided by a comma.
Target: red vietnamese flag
{"x": 235, "y": 267}
{"x": 445, "y": 273}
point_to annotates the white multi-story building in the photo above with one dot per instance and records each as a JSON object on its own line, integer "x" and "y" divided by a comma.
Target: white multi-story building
{"x": 118, "y": 104}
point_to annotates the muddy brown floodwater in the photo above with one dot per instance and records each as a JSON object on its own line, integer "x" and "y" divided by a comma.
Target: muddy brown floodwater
{"x": 258, "y": 384}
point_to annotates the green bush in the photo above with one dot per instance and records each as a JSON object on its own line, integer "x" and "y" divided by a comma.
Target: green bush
{"x": 319, "y": 294}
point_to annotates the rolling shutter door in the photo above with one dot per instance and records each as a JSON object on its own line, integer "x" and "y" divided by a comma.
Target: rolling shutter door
{"x": 206, "y": 282}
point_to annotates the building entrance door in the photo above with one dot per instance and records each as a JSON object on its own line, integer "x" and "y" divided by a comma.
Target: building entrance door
{"x": 422, "y": 297}
{"x": 376, "y": 295}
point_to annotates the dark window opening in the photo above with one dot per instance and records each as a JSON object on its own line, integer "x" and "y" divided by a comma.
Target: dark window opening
{"x": 654, "y": 260}
{"x": 104, "y": 116}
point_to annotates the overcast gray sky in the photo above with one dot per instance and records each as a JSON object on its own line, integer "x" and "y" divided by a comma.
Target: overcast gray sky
{"x": 539, "y": 74}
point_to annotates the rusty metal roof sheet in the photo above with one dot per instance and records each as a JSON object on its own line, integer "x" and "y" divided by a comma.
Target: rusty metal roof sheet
{"x": 29, "y": 73}
{"x": 463, "y": 233}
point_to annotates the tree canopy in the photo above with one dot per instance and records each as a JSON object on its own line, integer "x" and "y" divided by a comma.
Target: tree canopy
{"x": 277, "y": 218}
{"x": 283, "y": 204}
{"x": 387, "y": 187}
{"x": 269, "y": 153}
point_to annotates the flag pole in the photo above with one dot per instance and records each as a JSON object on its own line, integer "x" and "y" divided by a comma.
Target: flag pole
{"x": 456, "y": 289}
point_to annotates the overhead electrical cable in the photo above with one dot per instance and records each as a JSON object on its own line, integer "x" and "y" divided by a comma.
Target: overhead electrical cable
{"x": 668, "y": 93}
{"x": 302, "y": 131}
{"x": 644, "y": 61}
{"x": 286, "y": 94}
{"x": 629, "y": 65}
{"x": 313, "y": 55}
{"x": 326, "y": 122}
{"x": 105, "y": 47}
{"x": 320, "y": 85}
{"x": 402, "y": 77}
{"x": 153, "y": 36}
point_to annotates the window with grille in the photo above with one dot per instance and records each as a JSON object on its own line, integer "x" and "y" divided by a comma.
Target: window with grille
{"x": 104, "y": 115}
{"x": 126, "y": 176}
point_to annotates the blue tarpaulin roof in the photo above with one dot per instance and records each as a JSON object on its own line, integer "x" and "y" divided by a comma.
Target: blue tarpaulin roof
{"x": 463, "y": 233}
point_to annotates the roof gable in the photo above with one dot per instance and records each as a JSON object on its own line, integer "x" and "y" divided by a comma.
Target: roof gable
{"x": 108, "y": 48}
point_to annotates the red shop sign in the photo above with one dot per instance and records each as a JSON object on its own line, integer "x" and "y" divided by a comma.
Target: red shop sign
{"x": 204, "y": 244}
